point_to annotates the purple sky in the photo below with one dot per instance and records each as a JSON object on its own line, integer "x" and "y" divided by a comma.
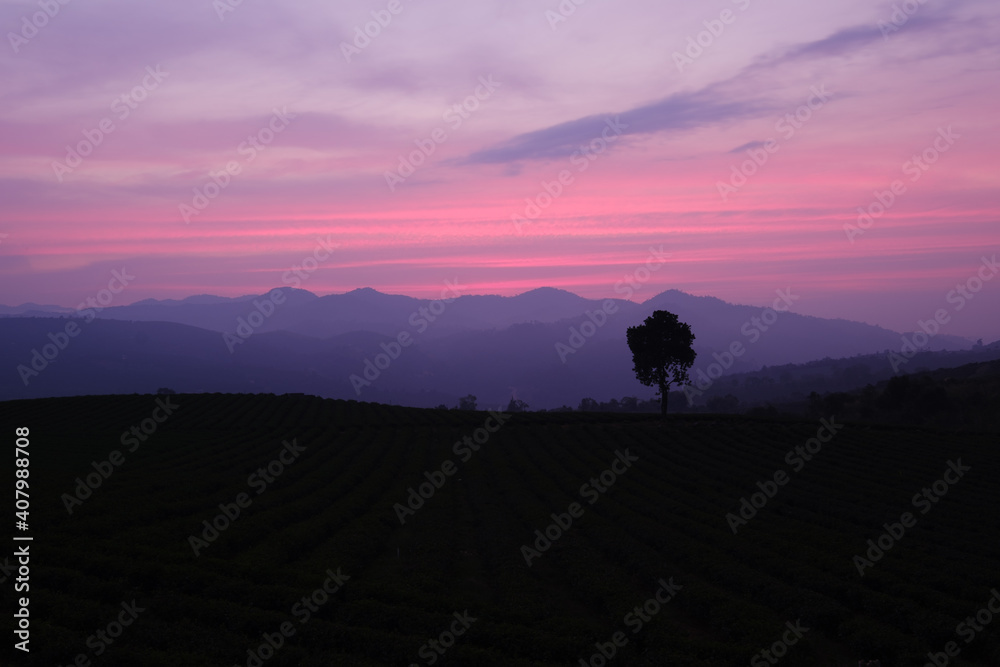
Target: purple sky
{"x": 746, "y": 157}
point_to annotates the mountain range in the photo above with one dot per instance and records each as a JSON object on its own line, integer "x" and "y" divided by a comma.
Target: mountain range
{"x": 548, "y": 347}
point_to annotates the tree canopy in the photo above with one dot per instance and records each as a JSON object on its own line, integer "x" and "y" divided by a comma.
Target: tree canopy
{"x": 662, "y": 353}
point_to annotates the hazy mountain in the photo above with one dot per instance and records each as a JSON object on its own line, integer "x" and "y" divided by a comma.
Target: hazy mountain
{"x": 32, "y": 309}
{"x": 363, "y": 309}
{"x": 717, "y": 324}
{"x": 548, "y": 347}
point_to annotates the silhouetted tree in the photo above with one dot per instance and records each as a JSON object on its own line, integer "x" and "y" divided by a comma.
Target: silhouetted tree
{"x": 661, "y": 353}
{"x": 467, "y": 402}
{"x": 517, "y": 405}
{"x": 588, "y": 405}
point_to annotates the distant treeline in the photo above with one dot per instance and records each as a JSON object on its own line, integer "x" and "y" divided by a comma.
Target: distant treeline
{"x": 966, "y": 397}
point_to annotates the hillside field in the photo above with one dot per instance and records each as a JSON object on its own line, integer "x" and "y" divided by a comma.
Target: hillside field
{"x": 320, "y": 553}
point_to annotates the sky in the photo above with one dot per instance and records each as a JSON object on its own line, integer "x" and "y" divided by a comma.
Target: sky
{"x": 845, "y": 151}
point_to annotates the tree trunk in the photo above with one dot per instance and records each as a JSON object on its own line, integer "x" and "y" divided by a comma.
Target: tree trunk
{"x": 664, "y": 396}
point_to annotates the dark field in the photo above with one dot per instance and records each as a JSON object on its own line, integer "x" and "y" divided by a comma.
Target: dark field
{"x": 328, "y": 514}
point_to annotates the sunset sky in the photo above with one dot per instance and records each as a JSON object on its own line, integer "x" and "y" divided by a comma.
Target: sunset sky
{"x": 646, "y": 127}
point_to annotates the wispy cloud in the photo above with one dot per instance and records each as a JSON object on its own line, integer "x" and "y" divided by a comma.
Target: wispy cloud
{"x": 679, "y": 112}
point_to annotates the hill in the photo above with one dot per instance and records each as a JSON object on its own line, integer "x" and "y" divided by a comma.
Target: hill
{"x": 543, "y": 542}
{"x": 792, "y": 383}
{"x": 965, "y": 397}
{"x": 547, "y": 347}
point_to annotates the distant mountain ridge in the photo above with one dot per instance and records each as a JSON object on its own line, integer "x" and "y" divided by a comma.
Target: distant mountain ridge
{"x": 366, "y": 309}
{"x": 547, "y": 346}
